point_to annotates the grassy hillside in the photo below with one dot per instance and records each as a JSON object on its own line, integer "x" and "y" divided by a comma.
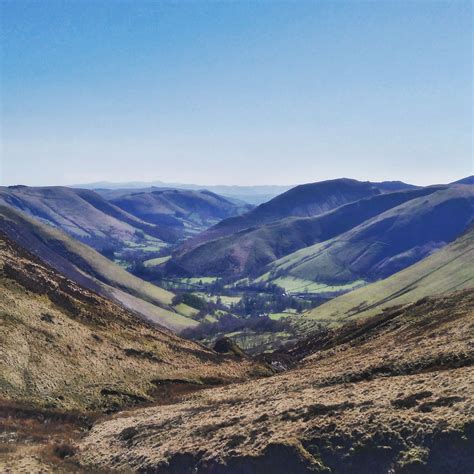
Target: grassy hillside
{"x": 186, "y": 212}
{"x": 64, "y": 346}
{"x": 246, "y": 252}
{"x": 384, "y": 244}
{"x": 83, "y": 264}
{"x": 302, "y": 201}
{"x": 450, "y": 269}
{"x": 391, "y": 395}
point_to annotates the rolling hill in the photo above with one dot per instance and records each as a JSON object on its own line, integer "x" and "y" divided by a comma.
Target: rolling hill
{"x": 383, "y": 245}
{"x": 246, "y": 252}
{"x": 390, "y": 393}
{"x": 186, "y": 212}
{"x": 305, "y": 200}
{"x": 86, "y": 216}
{"x": 445, "y": 271}
{"x": 84, "y": 265}
{"x": 64, "y": 346}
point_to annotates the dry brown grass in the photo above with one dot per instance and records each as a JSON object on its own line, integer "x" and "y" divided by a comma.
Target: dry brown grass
{"x": 63, "y": 346}
{"x": 394, "y": 396}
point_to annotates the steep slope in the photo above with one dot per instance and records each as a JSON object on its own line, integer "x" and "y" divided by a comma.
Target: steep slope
{"x": 86, "y": 216}
{"x": 65, "y": 346}
{"x": 186, "y": 212}
{"x": 246, "y": 252}
{"x": 391, "y": 395}
{"x": 83, "y": 264}
{"x": 450, "y": 269}
{"x": 305, "y": 200}
{"x": 385, "y": 244}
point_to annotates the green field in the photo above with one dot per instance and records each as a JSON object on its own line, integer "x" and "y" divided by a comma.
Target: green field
{"x": 294, "y": 285}
{"x": 278, "y": 316}
{"x": 154, "y": 262}
{"x": 226, "y": 300}
{"x": 186, "y": 310}
{"x": 149, "y": 244}
{"x": 197, "y": 280}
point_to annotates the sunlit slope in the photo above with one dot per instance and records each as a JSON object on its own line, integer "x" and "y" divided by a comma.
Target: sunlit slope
{"x": 385, "y": 244}
{"x": 83, "y": 264}
{"x": 391, "y": 395}
{"x": 450, "y": 269}
{"x": 65, "y": 346}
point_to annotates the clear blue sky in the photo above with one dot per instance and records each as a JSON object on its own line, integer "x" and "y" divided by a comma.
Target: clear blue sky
{"x": 235, "y": 92}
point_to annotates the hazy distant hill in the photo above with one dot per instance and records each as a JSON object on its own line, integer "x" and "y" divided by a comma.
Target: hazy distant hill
{"x": 246, "y": 252}
{"x": 84, "y": 265}
{"x": 391, "y": 186}
{"x": 250, "y": 194}
{"x": 384, "y": 244}
{"x": 184, "y": 211}
{"x": 85, "y": 215}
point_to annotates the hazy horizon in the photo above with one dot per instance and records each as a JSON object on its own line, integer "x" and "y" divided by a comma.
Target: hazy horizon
{"x": 235, "y": 93}
{"x": 157, "y": 182}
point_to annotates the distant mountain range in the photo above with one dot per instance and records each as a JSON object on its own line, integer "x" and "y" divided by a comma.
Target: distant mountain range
{"x": 132, "y": 221}
{"x": 187, "y": 211}
{"x": 255, "y": 195}
{"x": 250, "y": 194}
{"x": 305, "y": 200}
{"x": 338, "y": 233}
{"x": 384, "y": 244}
{"x": 245, "y": 252}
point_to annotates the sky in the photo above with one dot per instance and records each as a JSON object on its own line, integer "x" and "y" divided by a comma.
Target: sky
{"x": 250, "y": 92}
